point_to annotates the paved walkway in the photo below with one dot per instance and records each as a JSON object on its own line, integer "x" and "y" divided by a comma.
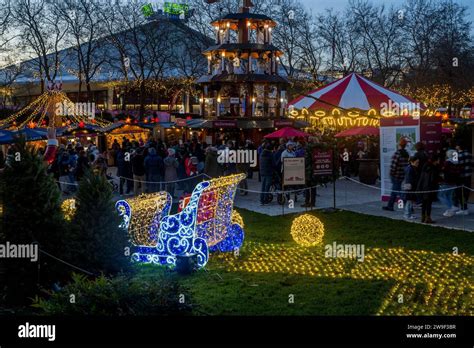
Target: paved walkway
{"x": 350, "y": 196}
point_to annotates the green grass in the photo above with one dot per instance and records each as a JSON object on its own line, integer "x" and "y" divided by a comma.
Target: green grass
{"x": 407, "y": 259}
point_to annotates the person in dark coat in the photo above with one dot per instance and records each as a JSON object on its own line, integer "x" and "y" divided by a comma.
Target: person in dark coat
{"x": 266, "y": 173}
{"x": 82, "y": 165}
{"x": 429, "y": 181}
{"x": 124, "y": 170}
{"x": 154, "y": 168}
{"x": 421, "y": 154}
{"x": 397, "y": 172}
{"x": 409, "y": 186}
{"x": 212, "y": 166}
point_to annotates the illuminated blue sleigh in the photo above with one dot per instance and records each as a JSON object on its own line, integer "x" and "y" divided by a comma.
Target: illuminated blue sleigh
{"x": 205, "y": 223}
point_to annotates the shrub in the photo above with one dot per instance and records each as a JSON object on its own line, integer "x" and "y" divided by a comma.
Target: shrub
{"x": 119, "y": 296}
{"x": 31, "y": 213}
{"x": 98, "y": 243}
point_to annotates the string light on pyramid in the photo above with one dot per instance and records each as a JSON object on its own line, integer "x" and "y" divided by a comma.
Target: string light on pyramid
{"x": 54, "y": 105}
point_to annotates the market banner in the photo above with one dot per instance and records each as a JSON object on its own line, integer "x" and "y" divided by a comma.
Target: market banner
{"x": 430, "y": 133}
{"x": 392, "y": 129}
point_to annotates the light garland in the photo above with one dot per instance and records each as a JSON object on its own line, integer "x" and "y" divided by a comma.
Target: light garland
{"x": 47, "y": 103}
{"x": 307, "y": 230}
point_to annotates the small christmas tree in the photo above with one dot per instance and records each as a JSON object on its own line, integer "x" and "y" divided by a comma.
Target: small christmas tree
{"x": 99, "y": 244}
{"x": 31, "y": 214}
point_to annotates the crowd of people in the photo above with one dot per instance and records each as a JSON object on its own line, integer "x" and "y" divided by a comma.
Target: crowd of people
{"x": 154, "y": 165}
{"x": 421, "y": 179}
{"x": 143, "y": 167}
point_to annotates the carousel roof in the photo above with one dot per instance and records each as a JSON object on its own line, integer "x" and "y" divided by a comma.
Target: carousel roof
{"x": 351, "y": 92}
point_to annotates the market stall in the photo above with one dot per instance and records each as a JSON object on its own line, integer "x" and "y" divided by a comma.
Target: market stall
{"x": 122, "y": 130}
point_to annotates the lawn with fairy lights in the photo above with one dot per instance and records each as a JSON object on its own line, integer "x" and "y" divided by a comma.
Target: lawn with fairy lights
{"x": 408, "y": 269}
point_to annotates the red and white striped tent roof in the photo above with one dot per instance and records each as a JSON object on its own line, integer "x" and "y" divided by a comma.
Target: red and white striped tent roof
{"x": 352, "y": 92}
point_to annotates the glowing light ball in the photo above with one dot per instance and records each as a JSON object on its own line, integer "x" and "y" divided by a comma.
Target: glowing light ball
{"x": 237, "y": 218}
{"x": 68, "y": 207}
{"x": 307, "y": 230}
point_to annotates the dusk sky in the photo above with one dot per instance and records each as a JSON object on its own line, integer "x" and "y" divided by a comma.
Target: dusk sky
{"x": 339, "y": 5}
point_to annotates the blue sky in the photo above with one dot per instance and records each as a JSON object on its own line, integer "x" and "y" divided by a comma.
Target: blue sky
{"x": 339, "y": 5}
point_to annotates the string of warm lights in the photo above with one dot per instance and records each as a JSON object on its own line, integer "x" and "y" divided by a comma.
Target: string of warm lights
{"x": 46, "y": 105}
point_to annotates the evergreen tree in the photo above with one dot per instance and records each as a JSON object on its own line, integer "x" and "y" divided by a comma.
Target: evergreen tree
{"x": 31, "y": 214}
{"x": 99, "y": 244}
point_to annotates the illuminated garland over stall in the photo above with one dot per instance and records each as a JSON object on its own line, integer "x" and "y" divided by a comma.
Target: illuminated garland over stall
{"x": 336, "y": 118}
{"x": 345, "y": 118}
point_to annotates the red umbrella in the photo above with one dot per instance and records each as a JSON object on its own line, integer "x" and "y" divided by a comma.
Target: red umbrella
{"x": 287, "y": 132}
{"x": 365, "y": 131}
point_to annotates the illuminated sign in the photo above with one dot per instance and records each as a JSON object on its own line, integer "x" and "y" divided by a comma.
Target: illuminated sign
{"x": 170, "y": 10}
{"x": 173, "y": 8}
{"x": 147, "y": 10}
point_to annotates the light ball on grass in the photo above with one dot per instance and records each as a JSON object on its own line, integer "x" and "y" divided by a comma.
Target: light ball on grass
{"x": 307, "y": 230}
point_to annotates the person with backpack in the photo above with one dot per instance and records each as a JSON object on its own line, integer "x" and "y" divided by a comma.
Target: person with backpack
{"x": 397, "y": 172}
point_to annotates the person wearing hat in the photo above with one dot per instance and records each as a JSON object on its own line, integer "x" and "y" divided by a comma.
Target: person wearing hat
{"x": 397, "y": 172}
{"x": 289, "y": 152}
